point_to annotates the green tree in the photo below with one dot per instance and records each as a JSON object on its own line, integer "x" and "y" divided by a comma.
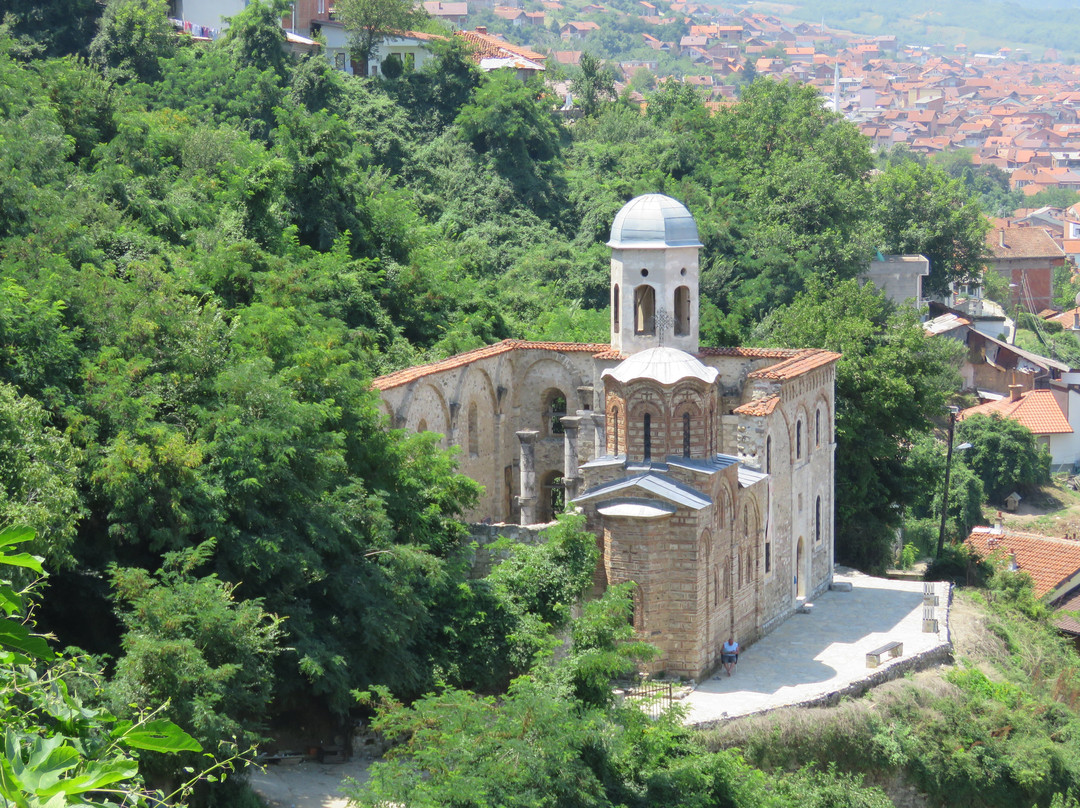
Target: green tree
{"x": 925, "y": 472}
{"x": 919, "y": 209}
{"x": 40, "y": 474}
{"x": 593, "y": 84}
{"x": 368, "y": 21}
{"x": 132, "y": 36}
{"x": 1004, "y": 454}
{"x": 58, "y": 27}
{"x": 891, "y": 382}
{"x": 59, "y": 750}
{"x": 191, "y": 643}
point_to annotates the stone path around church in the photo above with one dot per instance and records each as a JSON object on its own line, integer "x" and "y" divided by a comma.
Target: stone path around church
{"x": 811, "y": 658}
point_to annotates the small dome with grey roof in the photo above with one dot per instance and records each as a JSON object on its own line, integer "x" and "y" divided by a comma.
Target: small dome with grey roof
{"x": 653, "y": 222}
{"x": 663, "y": 365}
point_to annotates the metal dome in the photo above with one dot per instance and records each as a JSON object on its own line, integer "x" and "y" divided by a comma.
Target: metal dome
{"x": 653, "y": 221}
{"x": 664, "y": 365}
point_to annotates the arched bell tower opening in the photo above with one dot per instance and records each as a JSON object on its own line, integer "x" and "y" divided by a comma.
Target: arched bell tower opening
{"x": 654, "y": 276}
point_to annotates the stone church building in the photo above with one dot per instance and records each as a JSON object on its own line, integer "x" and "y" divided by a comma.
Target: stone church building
{"x": 705, "y": 473}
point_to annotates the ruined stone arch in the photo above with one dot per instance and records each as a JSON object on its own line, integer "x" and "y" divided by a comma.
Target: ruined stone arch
{"x": 554, "y": 405}
{"x": 536, "y": 380}
{"x": 427, "y": 404}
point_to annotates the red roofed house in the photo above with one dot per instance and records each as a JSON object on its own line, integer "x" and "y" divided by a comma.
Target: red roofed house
{"x": 1046, "y": 413}
{"x": 1052, "y": 563}
{"x": 706, "y": 474}
{"x": 453, "y": 13}
{"x": 1026, "y": 257}
{"x": 578, "y": 30}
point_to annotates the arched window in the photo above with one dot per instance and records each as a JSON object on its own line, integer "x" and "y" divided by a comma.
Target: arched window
{"x": 615, "y": 306}
{"x": 422, "y": 426}
{"x": 716, "y": 586}
{"x": 644, "y": 310}
{"x": 768, "y": 455}
{"x": 554, "y": 410}
{"x": 738, "y": 568}
{"x": 711, "y": 440}
{"x": 817, "y": 427}
{"x": 682, "y": 311}
{"x": 817, "y": 519}
{"x": 798, "y": 439}
{"x": 554, "y": 496}
{"x": 768, "y": 556}
{"x": 749, "y": 567}
{"x": 615, "y": 430}
{"x": 686, "y": 434}
{"x": 474, "y": 431}
{"x": 647, "y": 438}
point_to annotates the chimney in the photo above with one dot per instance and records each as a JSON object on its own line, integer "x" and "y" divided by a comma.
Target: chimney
{"x": 1013, "y": 566}
{"x": 1014, "y": 391}
{"x": 481, "y": 29}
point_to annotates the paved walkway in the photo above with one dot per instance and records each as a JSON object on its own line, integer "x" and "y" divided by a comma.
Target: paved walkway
{"x": 811, "y": 656}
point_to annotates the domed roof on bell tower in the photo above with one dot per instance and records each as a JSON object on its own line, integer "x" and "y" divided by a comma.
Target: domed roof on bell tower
{"x": 653, "y": 222}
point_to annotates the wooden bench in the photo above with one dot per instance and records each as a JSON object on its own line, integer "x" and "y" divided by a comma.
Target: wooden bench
{"x": 893, "y": 649}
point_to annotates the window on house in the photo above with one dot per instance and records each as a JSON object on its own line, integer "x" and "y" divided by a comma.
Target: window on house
{"x": 682, "y": 311}
{"x": 716, "y": 586}
{"x": 768, "y": 557}
{"x": 817, "y": 427}
{"x": 322, "y": 6}
{"x": 798, "y": 439}
{"x": 645, "y": 310}
{"x": 686, "y": 434}
{"x": 647, "y": 438}
{"x": 817, "y": 519}
{"x": 615, "y": 306}
{"x": 768, "y": 455}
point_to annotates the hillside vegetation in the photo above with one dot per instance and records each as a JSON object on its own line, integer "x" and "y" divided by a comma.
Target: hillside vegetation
{"x": 207, "y": 251}
{"x": 1033, "y": 26}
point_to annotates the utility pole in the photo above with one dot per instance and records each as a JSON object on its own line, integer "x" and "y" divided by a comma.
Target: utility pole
{"x": 945, "y": 494}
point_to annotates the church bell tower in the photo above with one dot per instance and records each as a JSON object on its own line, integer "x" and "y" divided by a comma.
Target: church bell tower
{"x": 654, "y": 276}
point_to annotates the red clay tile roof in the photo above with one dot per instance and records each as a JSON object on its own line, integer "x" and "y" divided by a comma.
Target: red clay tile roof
{"x": 760, "y": 407}
{"x": 795, "y": 362}
{"x": 1038, "y": 410}
{"x": 1070, "y": 603}
{"x": 400, "y": 377}
{"x": 1065, "y": 318}
{"x": 488, "y": 46}
{"x": 752, "y": 353}
{"x": 1022, "y": 242}
{"x": 801, "y": 363}
{"x": 1050, "y": 562}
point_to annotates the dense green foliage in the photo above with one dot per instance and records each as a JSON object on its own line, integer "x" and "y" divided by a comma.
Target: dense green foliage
{"x": 207, "y": 253}
{"x": 58, "y": 750}
{"x": 1004, "y": 454}
{"x": 548, "y": 743}
{"x": 890, "y": 382}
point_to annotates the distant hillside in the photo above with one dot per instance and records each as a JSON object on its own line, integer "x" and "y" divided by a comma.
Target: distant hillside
{"x": 1022, "y": 24}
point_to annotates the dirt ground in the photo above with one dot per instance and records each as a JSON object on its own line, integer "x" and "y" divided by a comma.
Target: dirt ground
{"x": 307, "y": 784}
{"x": 1054, "y": 510}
